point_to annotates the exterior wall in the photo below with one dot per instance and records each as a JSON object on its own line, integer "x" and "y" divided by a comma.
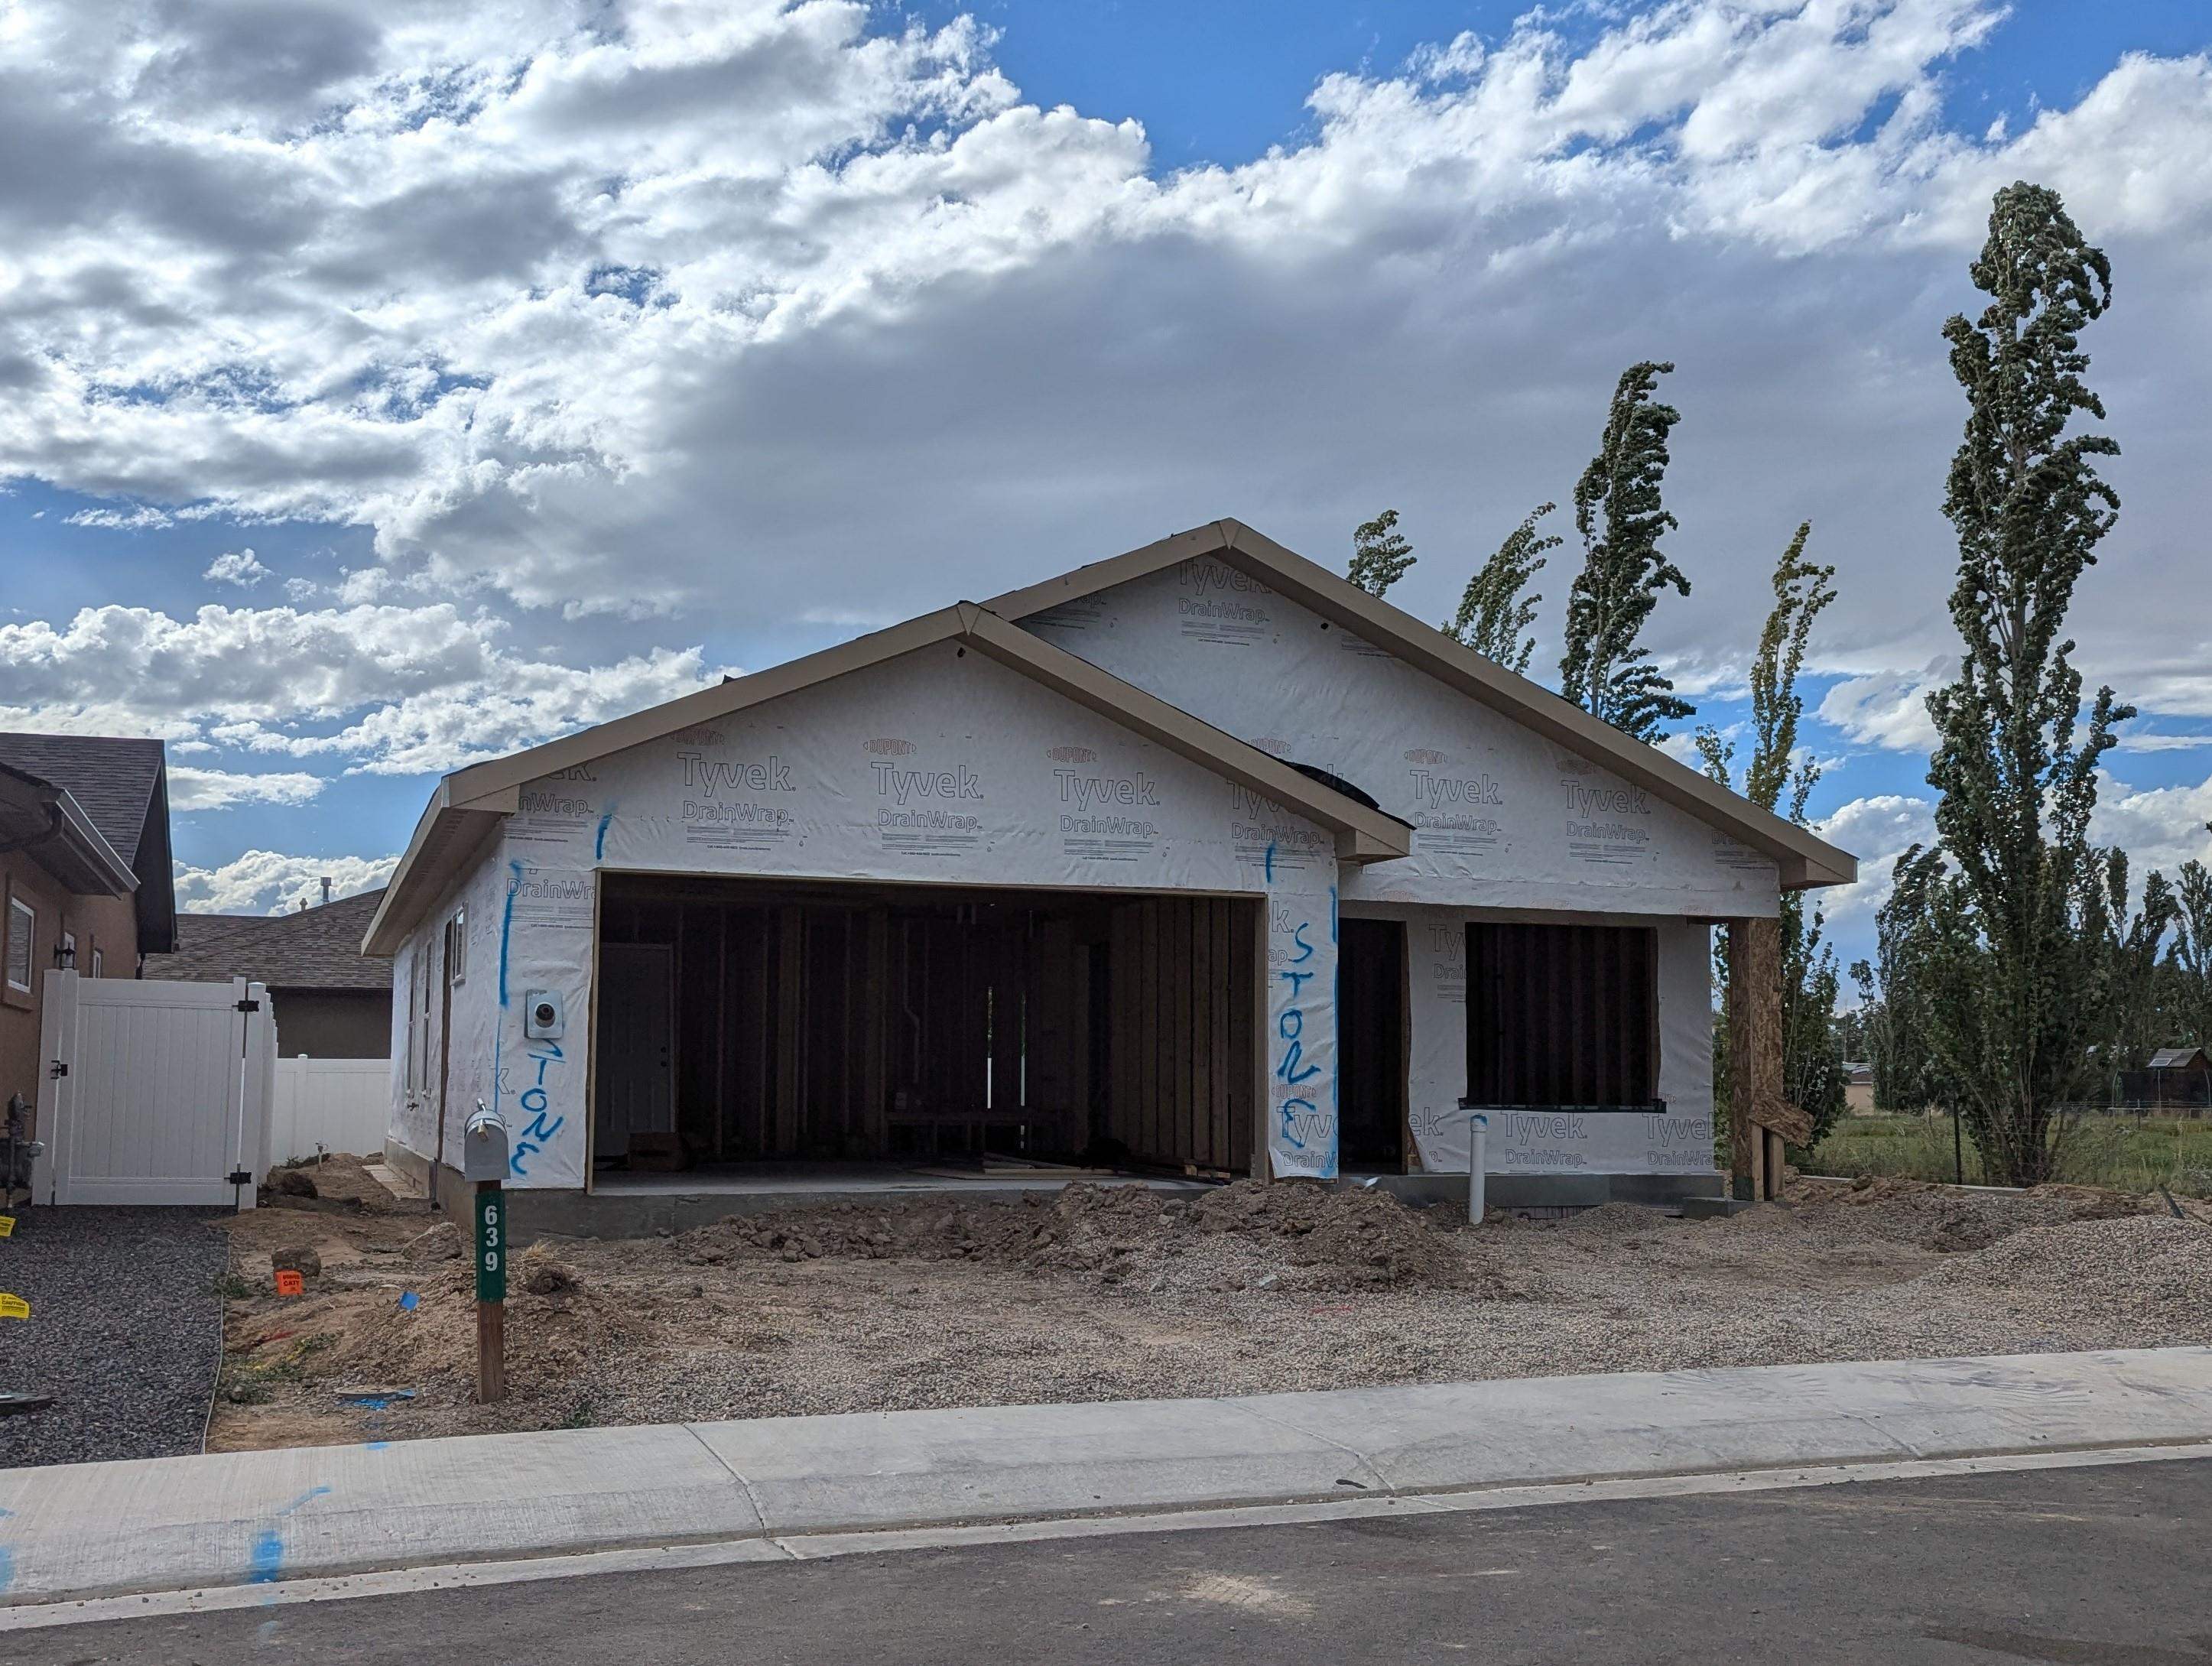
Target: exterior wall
{"x": 1503, "y": 818}
{"x": 108, "y": 924}
{"x": 941, "y": 766}
{"x": 333, "y": 1024}
{"x": 1436, "y": 945}
{"x": 421, "y": 1049}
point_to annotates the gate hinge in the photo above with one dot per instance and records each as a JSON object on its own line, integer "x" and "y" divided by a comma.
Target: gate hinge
{"x": 249, "y": 1005}
{"x": 239, "y": 1177}
{"x": 57, "y": 1070}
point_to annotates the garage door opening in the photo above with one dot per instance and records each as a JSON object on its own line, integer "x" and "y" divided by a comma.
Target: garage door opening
{"x": 748, "y": 1023}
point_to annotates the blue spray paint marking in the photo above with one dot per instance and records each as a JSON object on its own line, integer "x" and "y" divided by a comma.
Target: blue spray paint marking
{"x": 409, "y": 1301}
{"x": 599, "y": 839}
{"x": 379, "y": 1403}
{"x": 1270, "y": 861}
{"x": 506, "y": 937}
{"x": 375, "y": 1445}
{"x": 265, "y": 1561}
{"x": 1335, "y": 1012}
{"x": 7, "y": 1558}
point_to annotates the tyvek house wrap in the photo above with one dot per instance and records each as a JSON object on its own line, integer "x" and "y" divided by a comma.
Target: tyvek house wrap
{"x": 1503, "y": 821}
{"x": 938, "y": 766}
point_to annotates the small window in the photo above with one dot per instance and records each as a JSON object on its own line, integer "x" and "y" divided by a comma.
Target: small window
{"x": 22, "y": 937}
{"x": 457, "y": 947}
{"x": 95, "y": 961}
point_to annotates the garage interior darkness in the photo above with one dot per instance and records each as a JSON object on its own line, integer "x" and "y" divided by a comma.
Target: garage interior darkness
{"x": 764, "y": 1021}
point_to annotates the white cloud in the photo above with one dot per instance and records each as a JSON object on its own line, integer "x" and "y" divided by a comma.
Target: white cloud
{"x": 266, "y": 882}
{"x": 239, "y": 567}
{"x": 140, "y": 519}
{"x": 1877, "y": 830}
{"x": 193, "y": 788}
{"x": 384, "y": 690}
{"x": 624, "y": 308}
{"x": 2159, "y": 827}
{"x": 1888, "y": 710}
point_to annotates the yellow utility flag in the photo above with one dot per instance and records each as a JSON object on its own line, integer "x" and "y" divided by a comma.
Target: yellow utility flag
{"x": 14, "y": 1307}
{"x": 6, "y": 1226}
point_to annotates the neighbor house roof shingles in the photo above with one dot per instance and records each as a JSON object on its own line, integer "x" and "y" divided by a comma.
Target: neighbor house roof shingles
{"x": 112, "y": 778}
{"x": 319, "y": 948}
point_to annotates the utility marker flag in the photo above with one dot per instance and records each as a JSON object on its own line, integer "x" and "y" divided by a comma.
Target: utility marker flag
{"x": 14, "y": 1307}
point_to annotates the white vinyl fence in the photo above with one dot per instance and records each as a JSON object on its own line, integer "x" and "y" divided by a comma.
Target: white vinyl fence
{"x": 329, "y": 1105}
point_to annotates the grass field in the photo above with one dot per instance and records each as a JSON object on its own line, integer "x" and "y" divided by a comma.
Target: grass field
{"x": 2121, "y": 1152}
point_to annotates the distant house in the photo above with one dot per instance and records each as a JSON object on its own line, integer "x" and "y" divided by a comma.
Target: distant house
{"x": 84, "y": 875}
{"x": 332, "y": 1001}
{"x": 2179, "y": 1078}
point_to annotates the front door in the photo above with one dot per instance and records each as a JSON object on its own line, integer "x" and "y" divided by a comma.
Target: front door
{"x": 1370, "y": 1045}
{"x": 636, "y": 1077}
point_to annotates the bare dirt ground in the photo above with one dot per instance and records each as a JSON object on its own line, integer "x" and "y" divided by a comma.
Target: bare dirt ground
{"x": 1105, "y": 1293}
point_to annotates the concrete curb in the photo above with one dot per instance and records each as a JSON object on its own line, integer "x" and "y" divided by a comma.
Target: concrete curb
{"x": 82, "y": 1530}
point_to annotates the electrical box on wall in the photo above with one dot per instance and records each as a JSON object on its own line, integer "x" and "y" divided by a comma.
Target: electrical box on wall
{"x": 544, "y": 1015}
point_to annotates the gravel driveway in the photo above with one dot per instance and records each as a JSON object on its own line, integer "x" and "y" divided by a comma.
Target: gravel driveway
{"x": 125, "y": 1331}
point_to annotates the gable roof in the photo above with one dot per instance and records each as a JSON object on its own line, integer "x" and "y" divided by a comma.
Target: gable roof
{"x": 122, "y": 785}
{"x": 2178, "y": 1058}
{"x": 1805, "y": 860}
{"x": 112, "y": 777}
{"x": 468, "y": 805}
{"x": 316, "y": 948}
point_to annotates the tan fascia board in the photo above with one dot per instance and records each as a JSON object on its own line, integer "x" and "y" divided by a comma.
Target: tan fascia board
{"x": 1362, "y": 835}
{"x": 1804, "y": 860}
{"x": 446, "y": 839}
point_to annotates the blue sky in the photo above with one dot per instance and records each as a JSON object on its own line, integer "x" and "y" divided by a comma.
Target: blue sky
{"x": 892, "y": 331}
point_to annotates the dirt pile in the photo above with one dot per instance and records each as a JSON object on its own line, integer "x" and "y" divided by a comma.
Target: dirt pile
{"x": 2141, "y": 1264}
{"x": 1948, "y": 1220}
{"x": 1247, "y": 1234}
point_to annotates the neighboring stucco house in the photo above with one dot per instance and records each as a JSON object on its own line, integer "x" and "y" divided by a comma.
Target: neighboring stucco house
{"x": 85, "y": 877}
{"x": 1200, "y": 859}
{"x": 331, "y": 1000}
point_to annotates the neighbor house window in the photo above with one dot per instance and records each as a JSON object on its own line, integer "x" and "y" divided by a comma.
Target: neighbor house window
{"x": 95, "y": 960}
{"x": 22, "y": 936}
{"x": 1561, "y": 1015}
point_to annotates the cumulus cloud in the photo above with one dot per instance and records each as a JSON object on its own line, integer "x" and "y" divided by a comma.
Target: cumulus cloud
{"x": 1877, "y": 830}
{"x": 193, "y": 788}
{"x": 239, "y": 567}
{"x": 268, "y": 881}
{"x": 610, "y": 307}
{"x": 1888, "y": 710}
{"x": 2159, "y": 827}
{"x": 385, "y": 690}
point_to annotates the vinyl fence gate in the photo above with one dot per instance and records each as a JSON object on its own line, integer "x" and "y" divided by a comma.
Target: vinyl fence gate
{"x": 154, "y": 1092}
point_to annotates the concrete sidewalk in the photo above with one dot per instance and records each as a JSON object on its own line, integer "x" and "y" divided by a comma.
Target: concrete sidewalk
{"x": 239, "y": 1518}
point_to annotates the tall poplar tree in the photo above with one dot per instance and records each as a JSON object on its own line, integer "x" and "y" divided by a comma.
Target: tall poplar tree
{"x": 1494, "y": 616}
{"x": 1780, "y": 779}
{"x": 1380, "y": 554}
{"x": 2010, "y": 913}
{"x": 1621, "y": 516}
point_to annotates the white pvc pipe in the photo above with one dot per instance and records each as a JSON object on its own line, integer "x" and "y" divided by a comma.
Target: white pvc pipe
{"x": 1477, "y": 1166}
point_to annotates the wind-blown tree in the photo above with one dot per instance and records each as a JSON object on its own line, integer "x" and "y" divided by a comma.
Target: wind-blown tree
{"x": 1494, "y": 616}
{"x": 2007, "y": 915}
{"x": 2134, "y": 977}
{"x": 2189, "y": 962}
{"x": 1779, "y": 777}
{"x": 1620, "y": 514}
{"x": 1380, "y": 554}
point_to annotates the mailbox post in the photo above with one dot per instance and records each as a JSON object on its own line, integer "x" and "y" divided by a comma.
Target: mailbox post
{"x": 484, "y": 1162}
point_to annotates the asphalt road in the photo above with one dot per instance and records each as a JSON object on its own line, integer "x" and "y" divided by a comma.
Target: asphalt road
{"x": 2105, "y": 1565}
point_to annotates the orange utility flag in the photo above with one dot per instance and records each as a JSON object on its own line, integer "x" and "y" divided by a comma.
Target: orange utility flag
{"x": 289, "y": 1283}
{"x": 14, "y": 1307}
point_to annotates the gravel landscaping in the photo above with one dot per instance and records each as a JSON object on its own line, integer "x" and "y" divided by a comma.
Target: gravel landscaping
{"x": 126, "y": 1332}
{"x": 1103, "y": 1294}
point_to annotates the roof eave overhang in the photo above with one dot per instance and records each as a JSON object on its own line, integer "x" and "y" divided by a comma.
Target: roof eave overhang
{"x": 69, "y": 848}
